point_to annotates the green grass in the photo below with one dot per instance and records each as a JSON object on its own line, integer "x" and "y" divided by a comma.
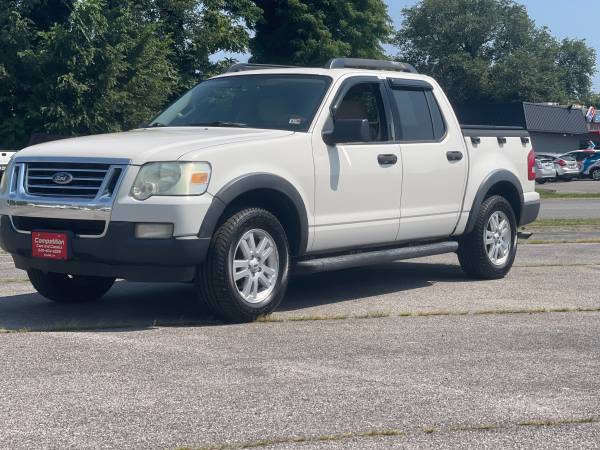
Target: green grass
{"x": 14, "y": 280}
{"x": 564, "y": 223}
{"x": 340, "y": 437}
{"x": 547, "y": 193}
{"x": 560, "y": 241}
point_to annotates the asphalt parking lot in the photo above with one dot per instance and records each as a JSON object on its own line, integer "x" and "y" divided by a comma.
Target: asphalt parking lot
{"x": 405, "y": 355}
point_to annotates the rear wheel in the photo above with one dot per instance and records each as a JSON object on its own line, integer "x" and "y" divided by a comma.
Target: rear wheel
{"x": 541, "y": 181}
{"x": 489, "y": 251}
{"x": 595, "y": 174}
{"x": 62, "y": 288}
{"x": 246, "y": 271}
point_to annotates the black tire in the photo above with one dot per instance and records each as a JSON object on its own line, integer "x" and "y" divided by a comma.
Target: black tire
{"x": 541, "y": 181}
{"x": 215, "y": 281}
{"x": 63, "y": 288}
{"x": 472, "y": 254}
{"x": 595, "y": 174}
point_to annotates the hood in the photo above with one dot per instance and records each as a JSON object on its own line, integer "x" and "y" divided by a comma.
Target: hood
{"x": 149, "y": 144}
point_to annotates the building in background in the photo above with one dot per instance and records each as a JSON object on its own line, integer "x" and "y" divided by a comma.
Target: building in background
{"x": 593, "y": 123}
{"x": 553, "y": 128}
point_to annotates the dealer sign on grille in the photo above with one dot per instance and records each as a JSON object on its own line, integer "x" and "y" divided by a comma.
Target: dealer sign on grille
{"x": 49, "y": 245}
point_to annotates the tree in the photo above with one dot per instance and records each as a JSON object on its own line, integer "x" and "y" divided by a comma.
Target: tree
{"x": 102, "y": 69}
{"x": 309, "y": 32}
{"x": 91, "y": 66}
{"x": 490, "y": 50}
{"x": 199, "y": 29}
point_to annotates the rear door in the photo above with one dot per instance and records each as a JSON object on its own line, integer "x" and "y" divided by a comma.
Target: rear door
{"x": 434, "y": 160}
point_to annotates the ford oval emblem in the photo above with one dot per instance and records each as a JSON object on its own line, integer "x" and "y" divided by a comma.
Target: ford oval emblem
{"x": 62, "y": 178}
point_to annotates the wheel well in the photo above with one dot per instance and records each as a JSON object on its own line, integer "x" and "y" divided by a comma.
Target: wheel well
{"x": 510, "y": 193}
{"x": 278, "y": 204}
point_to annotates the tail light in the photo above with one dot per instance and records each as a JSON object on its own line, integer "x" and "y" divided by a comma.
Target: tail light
{"x": 561, "y": 162}
{"x": 531, "y": 165}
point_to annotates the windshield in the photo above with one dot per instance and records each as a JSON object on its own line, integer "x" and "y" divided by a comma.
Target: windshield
{"x": 280, "y": 102}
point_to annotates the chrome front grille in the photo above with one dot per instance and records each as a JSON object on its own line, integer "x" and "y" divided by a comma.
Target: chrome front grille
{"x": 81, "y": 201}
{"x": 68, "y": 179}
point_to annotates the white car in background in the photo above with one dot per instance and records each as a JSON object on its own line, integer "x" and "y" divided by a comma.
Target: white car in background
{"x": 566, "y": 166}
{"x": 544, "y": 169}
{"x": 5, "y": 156}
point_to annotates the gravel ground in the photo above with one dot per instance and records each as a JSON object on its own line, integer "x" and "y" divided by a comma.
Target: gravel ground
{"x": 545, "y": 277}
{"x": 578, "y": 187}
{"x": 585, "y": 208}
{"x": 172, "y": 387}
{"x": 418, "y": 356}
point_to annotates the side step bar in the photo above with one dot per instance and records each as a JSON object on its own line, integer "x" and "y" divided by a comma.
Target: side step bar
{"x": 374, "y": 257}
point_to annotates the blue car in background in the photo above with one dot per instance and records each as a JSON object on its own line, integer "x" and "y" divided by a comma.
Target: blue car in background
{"x": 591, "y": 162}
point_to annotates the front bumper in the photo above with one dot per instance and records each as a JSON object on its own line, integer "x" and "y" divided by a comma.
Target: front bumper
{"x": 118, "y": 253}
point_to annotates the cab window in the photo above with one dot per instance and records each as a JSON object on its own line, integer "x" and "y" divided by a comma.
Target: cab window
{"x": 420, "y": 117}
{"x": 364, "y": 101}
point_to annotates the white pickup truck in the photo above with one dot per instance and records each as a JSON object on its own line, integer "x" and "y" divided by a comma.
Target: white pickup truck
{"x": 5, "y": 156}
{"x": 264, "y": 170}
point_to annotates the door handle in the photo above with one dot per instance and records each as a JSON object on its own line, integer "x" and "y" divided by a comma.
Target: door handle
{"x": 387, "y": 160}
{"x": 454, "y": 156}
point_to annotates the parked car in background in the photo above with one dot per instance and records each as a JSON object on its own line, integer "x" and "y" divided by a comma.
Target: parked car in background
{"x": 567, "y": 168}
{"x": 544, "y": 169}
{"x": 591, "y": 162}
{"x": 581, "y": 155}
{"x": 593, "y": 170}
{"x": 5, "y": 156}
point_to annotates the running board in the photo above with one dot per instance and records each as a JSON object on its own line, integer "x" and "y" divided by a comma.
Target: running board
{"x": 374, "y": 257}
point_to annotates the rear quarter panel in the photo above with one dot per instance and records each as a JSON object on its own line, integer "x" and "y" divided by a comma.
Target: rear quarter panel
{"x": 489, "y": 156}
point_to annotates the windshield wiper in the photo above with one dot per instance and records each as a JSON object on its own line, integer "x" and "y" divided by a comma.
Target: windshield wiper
{"x": 155, "y": 125}
{"x": 220, "y": 123}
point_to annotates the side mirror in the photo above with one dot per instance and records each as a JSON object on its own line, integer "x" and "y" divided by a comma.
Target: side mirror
{"x": 338, "y": 131}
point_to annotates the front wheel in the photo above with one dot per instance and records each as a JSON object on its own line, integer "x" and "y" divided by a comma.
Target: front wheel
{"x": 62, "y": 288}
{"x": 246, "y": 271}
{"x": 541, "y": 181}
{"x": 489, "y": 251}
{"x": 595, "y": 174}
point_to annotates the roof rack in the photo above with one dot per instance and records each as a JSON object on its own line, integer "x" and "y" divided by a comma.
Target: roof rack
{"x": 377, "y": 64}
{"x": 242, "y": 67}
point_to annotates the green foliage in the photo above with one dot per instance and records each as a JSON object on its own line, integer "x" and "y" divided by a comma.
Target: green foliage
{"x": 309, "y": 32}
{"x": 91, "y": 66}
{"x": 200, "y": 29}
{"x": 490, "y": 50}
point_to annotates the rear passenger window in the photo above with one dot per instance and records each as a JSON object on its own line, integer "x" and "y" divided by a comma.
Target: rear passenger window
{"x": 420, "y": 115}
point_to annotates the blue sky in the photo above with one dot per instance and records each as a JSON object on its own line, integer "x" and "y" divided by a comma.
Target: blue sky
{"x": 564, "y": 18}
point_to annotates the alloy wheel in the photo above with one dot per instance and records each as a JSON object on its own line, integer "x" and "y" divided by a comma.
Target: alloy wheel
{"x": 255, "y": 266}
{"x": 498, "y": 238}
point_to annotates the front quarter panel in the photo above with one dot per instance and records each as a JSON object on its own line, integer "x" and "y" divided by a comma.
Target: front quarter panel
{"x": 289, "y": 157}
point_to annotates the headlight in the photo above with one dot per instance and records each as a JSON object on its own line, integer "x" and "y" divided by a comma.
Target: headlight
{"x": 171, "y": 178}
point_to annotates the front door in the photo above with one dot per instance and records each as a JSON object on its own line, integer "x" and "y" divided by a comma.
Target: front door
{"x": 358, "y": 184}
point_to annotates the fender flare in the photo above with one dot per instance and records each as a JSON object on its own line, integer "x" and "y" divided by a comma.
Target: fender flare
{"x": 492, "y": 179}
{"x": 247, "y": 183}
